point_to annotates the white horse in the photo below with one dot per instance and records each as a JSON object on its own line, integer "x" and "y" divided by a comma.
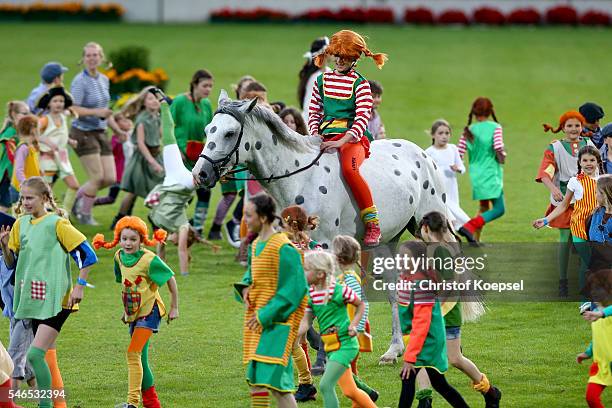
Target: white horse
{"x": 404, "y": 180}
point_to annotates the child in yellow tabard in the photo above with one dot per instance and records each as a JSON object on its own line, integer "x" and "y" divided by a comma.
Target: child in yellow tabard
{"x": 141, "y": 273}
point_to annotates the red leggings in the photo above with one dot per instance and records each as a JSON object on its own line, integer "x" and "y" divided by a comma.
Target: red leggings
{"x": 593, "y": 395}
{"x": 351, "y": 157}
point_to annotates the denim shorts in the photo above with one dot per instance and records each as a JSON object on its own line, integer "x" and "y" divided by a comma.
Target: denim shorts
{"x": 453, "y": 333}
{"x": 151, "y": 321}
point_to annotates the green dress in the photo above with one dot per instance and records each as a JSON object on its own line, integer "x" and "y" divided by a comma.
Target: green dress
{"x": 334, "y": 314}
{"x": 139, "y": 178}
{"x": 453, "y": 318}
{"x": 290, "y": 292}
{"x": 486, "y": 174}
{"x": 171, "y": 212}
{"x": 189, "y": 123}
{"x": 8, "y": 136}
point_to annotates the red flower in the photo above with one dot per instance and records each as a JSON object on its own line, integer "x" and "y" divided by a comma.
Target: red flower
{"x": 138, "y": 280}
{"x": 488, "y": 15}
{"x": 528, "y": 16}
{"x": 562, "y": 15}
{"x": 453, "y": 17}
{"x": 594, "y": 17}
{"x": 380, "y": 15}
{"x": 127, "y": 283}
{"x": 419, "y": 15}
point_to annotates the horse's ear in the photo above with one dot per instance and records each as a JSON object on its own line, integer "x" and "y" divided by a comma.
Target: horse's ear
{"x": 223, "y": 97}
{"x": 251, "y": 105}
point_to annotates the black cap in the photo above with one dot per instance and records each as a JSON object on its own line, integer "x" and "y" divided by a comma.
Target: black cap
{"x": 606, "y": 131}
{"x": 592, "y": 112}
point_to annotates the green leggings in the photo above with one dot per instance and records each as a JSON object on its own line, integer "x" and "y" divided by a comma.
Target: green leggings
{"x": 584, "y": 250}
{"x": 147, "y": 374}
{"x": 497, "y": 211}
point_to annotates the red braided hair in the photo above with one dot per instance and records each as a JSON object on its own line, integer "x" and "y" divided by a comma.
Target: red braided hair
{"x": 133, "y": 223}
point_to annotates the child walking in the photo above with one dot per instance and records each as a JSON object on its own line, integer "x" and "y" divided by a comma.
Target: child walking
{"x": 15, "y": 110}
{"x": 26, "y": 156}
{"x": 141, "y": 274}
{"x": 434, "y": 231}
{"x": 483, "y": 141}
{"x": 423, "y": 327}
{"x": 600, "y": 348}
{"x": 273, "y": 290}
{"x": 38, "y": 246}
{"x": 581, "y": 192}
{"x": 339, "y": 113}
{"x": 327, "y": 301}
{"x": 54, "y": 141}
{"x": 145, "y": 169}
{"x": 347, "y": 251}
{"x": 122, "y": 153}
{"x": 558, "y": 165}
{"x": 446, "y": 155}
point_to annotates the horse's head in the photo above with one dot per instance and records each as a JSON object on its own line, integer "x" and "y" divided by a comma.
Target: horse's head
{"x": 224, "y": 136}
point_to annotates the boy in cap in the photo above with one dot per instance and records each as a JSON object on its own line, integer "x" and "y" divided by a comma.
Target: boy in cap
{"x": 52, "y": 74}
{"x": 593, "y": 113}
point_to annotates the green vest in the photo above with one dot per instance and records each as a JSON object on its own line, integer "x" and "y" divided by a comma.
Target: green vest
{"x": 42, "y": 277}
{"x": 433, "y": 353}
{"x": 339, "y": 113}
{"x": 486, "y": 173}
{"x": 8, "y": 136}
{"x": 332, "y": 314}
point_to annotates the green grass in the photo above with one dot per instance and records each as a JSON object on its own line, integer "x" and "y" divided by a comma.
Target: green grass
{"x": 532, "y": 76}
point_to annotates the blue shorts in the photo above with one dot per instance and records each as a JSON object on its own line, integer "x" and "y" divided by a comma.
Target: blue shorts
{"x": 151, "y": 321}
{"x": 453, "y": 333}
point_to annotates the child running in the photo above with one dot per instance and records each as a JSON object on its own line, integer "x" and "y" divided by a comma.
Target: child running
{"x": 484, "y": 143}
{"x": 141, "y": 274}
{"x": 446, "y": 155}
{"x": 54, "y": 141}
{"x": 423, "y": 327}
{"x": 327, "y": 301}
{"x": 15, "y": 110}
{"x": 38, "y": 246}
{"x": 347, "y": 251}
{"x": 26, "y": 156}
{"x": 558, "y": 165}
{"x": 581, "y": 192}
{"x": 434, "y": 231}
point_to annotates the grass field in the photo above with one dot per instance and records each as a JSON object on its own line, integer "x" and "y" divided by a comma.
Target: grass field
{"x": 532, "y": 76}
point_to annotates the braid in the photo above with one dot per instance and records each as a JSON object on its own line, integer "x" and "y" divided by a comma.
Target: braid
{"x": 17, "y": 208}
{"x": 466, "y": 131}
{"x": 59, "y": 211}
{"x": 579, "y": 167}
{"x": 493, "y": 114}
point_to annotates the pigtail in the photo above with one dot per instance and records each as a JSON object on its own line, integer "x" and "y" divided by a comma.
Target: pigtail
{"x": 549, "y": 128}
{"x": 59, "y": 211}
{"x": 99, "y": 242}
{"x": 17, "y": 208}
{"x": 319, "y": 59}
{"x": 379, "y": 58}
{"x": 159, "y": 237}
{"x": 493, "y": 115}
{"x": 313, "y": 222}
{"x": 466, "y": 130}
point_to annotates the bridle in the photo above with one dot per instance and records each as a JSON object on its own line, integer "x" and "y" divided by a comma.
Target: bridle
{"x": 220, "y": 164}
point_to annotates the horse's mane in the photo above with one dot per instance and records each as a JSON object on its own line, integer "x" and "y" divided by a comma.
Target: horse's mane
{"x": 285, "y": 135}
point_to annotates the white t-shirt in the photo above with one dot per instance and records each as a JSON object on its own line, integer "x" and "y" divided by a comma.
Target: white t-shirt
{"x": 575, "y": 187}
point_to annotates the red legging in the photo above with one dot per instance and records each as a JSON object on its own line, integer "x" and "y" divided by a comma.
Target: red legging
{"x": 593, "y": 395}
{"x": 351, "y": 157}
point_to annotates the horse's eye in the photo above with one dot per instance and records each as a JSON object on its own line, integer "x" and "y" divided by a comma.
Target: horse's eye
{"x": 229, "y": 135}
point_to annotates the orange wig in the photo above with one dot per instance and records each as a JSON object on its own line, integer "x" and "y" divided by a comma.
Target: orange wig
{"x": 349, "y": 44}
{"x": 133, "y": 223}
{"x": 564, "y": 118}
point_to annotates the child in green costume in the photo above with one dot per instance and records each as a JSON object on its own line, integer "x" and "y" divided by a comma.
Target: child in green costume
{"x": 484, "y": 143}
{"x": 15, "y": 110}
{"x": 38, "y": 246}
{"x": 327, "y": 301}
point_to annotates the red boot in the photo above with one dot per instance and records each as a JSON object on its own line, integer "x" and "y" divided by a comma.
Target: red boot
{"x": 474, "y": 224}
{"x": 5, "y": 400}
{"x": 372, "y": 234}
{"x": 150, "y": 399}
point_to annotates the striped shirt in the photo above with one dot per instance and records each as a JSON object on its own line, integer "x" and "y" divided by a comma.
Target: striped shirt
{"x": 318, "y": 296}
{"x": 351, "y": 281}
{"x": 498, "y": 142}
{"x": 584, "y": 188}
{"x": 421, "y": 297}
{"x": 93, "y": 93}
{"x": 338, "y": 86}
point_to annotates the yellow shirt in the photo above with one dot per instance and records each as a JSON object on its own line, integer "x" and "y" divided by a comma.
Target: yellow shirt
{"x": 67, "y": 235}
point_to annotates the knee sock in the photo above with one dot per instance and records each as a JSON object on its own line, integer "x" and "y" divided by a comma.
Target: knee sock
{"x": 140, "y": 337}
{"x": 565, "y": 238}
{"x": 199, "y": 217}
{"x": 87, "y": 203}
{"x": 362, "y": 385}
{"x": 36, "y": 358}
{"x": 304, "y": 347}
{"x": 223, "y": 207}
{"x": 497, "y": 211}
{"x": 299, "y": 358}
{"x": 147, "y": 375}
{"x": 593, "y": 395}
{"x": 113, "y": 193}
{"x": 327, "y": 386}
{"x": 56, "y": 377}
{"x": 442, "y": 387}
{"x": 350, "y": 390}
{"x": 260, "y": 398}
{"x": 370, "y": 214}
{"x": 237, "y": 214}
{"x": 5, "y": 400}
{"x": 69, "y": 197}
